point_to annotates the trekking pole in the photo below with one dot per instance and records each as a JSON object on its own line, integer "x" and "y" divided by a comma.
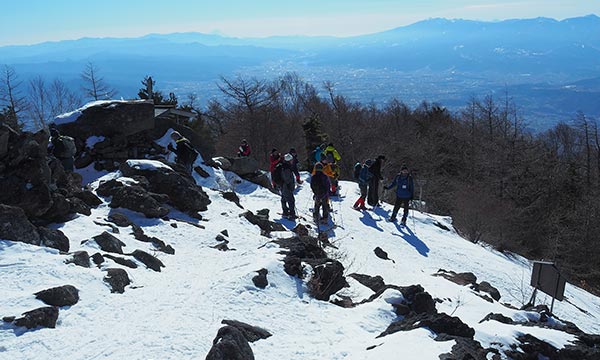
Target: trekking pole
{"x": 413, "y": 218}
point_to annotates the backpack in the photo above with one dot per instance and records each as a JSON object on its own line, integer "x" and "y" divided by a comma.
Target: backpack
{"x": 277, "y": 175}
{"x": 357, "y": 168}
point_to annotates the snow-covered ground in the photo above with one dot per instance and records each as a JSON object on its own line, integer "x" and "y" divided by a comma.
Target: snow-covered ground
{"x": 176, "y": 313}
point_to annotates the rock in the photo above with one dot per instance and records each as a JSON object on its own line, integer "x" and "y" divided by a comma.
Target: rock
{"x": 80, "y": 258}
{"x": 262, "y": 221}
{"x": 465, "y": 349}
{"x": 292, "y": 265}
{"x": 222, "y": 162}
{"x": 423, "y": 303}
{"x": 148, "y": 260}
{"x": 15, "y": 226}
{"x": 88, "y": 197}
{"x": 98, "y": 259}
{"x": 183, "y": 192}
{"x": 119, "y": 219}
{"x": 65, "y": 295}
{"x": 301, "y": 230}
{"x": 465, "y": 278}
{"x": 230, "y": 344}
{"x": 374, "y": 283}
{"x": 136, "y": 198}
{"x": 498, "y": 317}
{"x": 486, "y": 287}
{"x": 438, "y": 323}
{"x": 122, "y": 261}
{"x": 108, "y": 188}
{"x": 243, "y": 165}
{"x": 109, "y": 243}
{"x": 327, "y": 279}
{"x": 160, "y": 245}
{"x": 117, "y": 279}
{"x": 261, "y": 178}
{"x": 251, "y": 333}
{"x": 83, "y": 160}
{"x": 381, "y": 254}
{"x": 44, "y": 316}
{"x": 110, "y": 119}
{"x": 225, "y": 233}
{"x": 232, "y": 196}
{"x": 260, "y": 280}
{"x": 220, "y": 237}
{"x": 79, "y": 206}
{"x": 200, "y": 171}
{"x": 59, "y": 210}
{"x": 54, "y": 238}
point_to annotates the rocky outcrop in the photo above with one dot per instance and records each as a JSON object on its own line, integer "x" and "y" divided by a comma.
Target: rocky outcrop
{"x": 231, "y": 342}
{"x": 65, "y": 295}
{"x": 117, "y": 279}
{"x": 44, "y": 316}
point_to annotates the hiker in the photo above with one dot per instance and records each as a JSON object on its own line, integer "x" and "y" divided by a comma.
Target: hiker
{"x": 404, "y": 193}
{"x": 316, "y": 154}
{"x": 274, "y": 159}
{"x": 364, "y": 178}
{"x": 294, "y": 164}
{"x": 63, "y": 148}
{"x": 244, "y": 149}
{"x": 287, "y": 187}
{"x": 332, "y": 171}
{"x": 373, "y": 195}
{"x": 320, "y": 185}
{"x": 331, "y": 154}
{"x": 184, "y": 151}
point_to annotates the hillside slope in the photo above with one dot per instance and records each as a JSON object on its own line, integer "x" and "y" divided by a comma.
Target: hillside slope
{"x": 176, "y": 313}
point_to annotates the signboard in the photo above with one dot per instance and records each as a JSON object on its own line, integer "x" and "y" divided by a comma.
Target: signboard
{"x": 546, "y": 278}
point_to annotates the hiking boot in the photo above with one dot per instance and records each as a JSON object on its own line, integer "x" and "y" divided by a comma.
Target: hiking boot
{"x": 363, "y": 207}
{"x": 403, "y": 222}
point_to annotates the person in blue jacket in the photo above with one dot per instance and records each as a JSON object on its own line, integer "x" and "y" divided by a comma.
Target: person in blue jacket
{"x": 404, "y": 192}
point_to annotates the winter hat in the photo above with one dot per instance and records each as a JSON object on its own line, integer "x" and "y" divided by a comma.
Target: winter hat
{"x": 288, "y": 157}
{"x": 404, "y": 167}
{"x": 318, "y": 167}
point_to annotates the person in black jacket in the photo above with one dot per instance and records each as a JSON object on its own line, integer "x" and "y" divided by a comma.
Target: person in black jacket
{"x": 320, "y": 185}
{"x": 287, "y": 188}
{"x": 373, "y": 196}
{"x": 184, "y": 151}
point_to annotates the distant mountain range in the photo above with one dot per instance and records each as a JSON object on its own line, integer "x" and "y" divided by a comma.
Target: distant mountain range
{"x": 549, "y": 67}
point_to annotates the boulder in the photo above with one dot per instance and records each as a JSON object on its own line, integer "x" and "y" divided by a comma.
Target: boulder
{"x": 59, "y": 210}
{"x": 243, "y": 165}
{"x": 65, "y": 295}
{"x": 374, "y": 283}
{"x": 465, "y": 278}
{"x": 98, "y": 259}
{"x": 122, "y": 261}
{"x": 136, "y": 198}
{"x": 327, "y": 279}
{"x": 119, "y": 219}
{"x": 80, "y": 258}
{"x": 232, "y": 196}
{"x": 438, "y": 323}
{"x": 222, "y": 162}
{"x": 380, "y": 253}
{"x": 183, "y": 192}
{"x": 260, "y": 280}
{"x": 88, "y": 197}
{"x": 53, "y": 238}
{"x": 117, "y": 279}
{"x": 423, "y": 303}
{"x": 110, "y": 119}
{"x": 251, "y": 333}
{"x": 15, "y": 226}
{"x": 148, "y": 260}
{"x": 488, "y": 288}
{"x": 44, "y": 316}
{"x": 109, "y": 243}
{"x": 261, "y": 178}
{"x": 230, "y": 344}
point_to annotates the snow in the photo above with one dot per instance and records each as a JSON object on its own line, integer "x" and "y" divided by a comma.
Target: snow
{"x": 93, "y": 140}
{"x": 175, "y": 314}
{"x": 151, "y": 165}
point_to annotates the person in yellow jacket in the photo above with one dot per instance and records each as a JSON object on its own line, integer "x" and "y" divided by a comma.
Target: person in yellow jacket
{"x": 331, "y": 154}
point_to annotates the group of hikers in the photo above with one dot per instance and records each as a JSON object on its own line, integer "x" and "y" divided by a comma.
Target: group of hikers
{"x": 324, "y": 182}
{"x": 325, "y": 173}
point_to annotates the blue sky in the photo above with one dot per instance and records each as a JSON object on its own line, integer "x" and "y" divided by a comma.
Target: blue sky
{"x": 34, "y": 21}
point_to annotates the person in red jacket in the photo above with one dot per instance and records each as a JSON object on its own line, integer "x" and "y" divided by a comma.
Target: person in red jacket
{"x": 244, "y": 149}
{"x": 274, "y": 159}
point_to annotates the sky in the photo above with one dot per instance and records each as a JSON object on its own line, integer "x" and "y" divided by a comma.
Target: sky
{"x": 35, "y": 21}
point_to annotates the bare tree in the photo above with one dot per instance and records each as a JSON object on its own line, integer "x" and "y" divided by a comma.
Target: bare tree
{"x": 94, "y": 85}
{"x": 11, "y": 97}
{"x": 38, "y": 102}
